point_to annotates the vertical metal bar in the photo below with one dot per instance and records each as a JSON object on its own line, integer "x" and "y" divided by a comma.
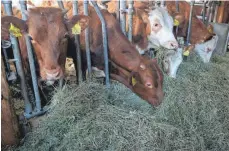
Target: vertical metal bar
{"x": 61, "y": 5}
{"x": 204, "y": 12}
{"x": 31, "y": 61}
{"x": 5, "y": 56}
{"x": 211, "y": 12}
{"x": 177, "y": 9}
{"x": 162, "y": 3}
{"x": 123, "y": 16}
{"x": 20, "y": 71}
{"x": 190, "y": 23}
{"x": 77, "y": 44}
{"x": 130, "y": 19}
{"x": 87, "y": 41}
{"x": 216, "y": 11}
{"x": 105, "y": 48}
{"x": 118, "y": 10}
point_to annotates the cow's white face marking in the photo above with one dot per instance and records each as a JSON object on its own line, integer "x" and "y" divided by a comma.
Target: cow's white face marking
{"x": 205, "y": 50}
{"x": 161, "y": 24}
{"x": 172, "y": 62}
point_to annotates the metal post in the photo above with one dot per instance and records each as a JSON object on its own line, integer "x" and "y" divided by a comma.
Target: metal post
{"x": 130, "y": 19}
{"x": 211, "y": 12}
{"x": 118, "y": 11}
{"x": 31, "y": 62}
{"x": 216, "y": 11}
{"x": 162, "y": 3}
{"x": 61, "y": 5}
{"x": 77, "y": 44}
{"x": 177, "y": 9}
{"x": 190, "y": 23}
{"x": 123, "y": 16}
{"x": 5, "y": 53}
{"x": 105, "y": 49}
{"x": 87, "y": 41}
{"x": 204, "y": 12}
{"x": 20, "y": 71}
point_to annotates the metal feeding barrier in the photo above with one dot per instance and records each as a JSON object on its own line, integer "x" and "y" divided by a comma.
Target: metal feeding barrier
{"x": 32, "y": 111}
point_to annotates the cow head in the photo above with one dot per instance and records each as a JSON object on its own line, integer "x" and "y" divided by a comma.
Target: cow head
{"x": 49, "y": 32}
{"x": 159, "y": 28}
{"x": 154, "y": 94}
{"x": 206, "y": 49}
{"x": 172, "y": 61}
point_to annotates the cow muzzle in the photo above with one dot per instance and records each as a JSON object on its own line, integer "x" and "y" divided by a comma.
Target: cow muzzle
{"x": 171, "y": 45}
{"x": 53, "y": 74}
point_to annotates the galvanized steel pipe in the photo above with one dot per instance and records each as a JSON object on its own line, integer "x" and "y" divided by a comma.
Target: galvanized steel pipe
{"x": 204, "y": 12}
{"x": 61, "y": 5}
{"x": 118, "y": 11}
{"x": 177, "y": 5}
{"x": 190, "y": 23}
{"x": 17, "y": 56}
{"x": 31, "y": 62}
{"x": 162, "y": 3}
{"x": 77, "y": 44}
{"x": 130, "y": 19}
{"x": 123, "y": 16}
{"x": 87, "y": 41}
{"x": 105, "y": 48}
{"x": 211, "y": 12}
{"x": 216, "y": 11}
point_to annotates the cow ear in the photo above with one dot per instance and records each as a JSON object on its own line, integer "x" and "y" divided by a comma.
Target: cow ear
{"x": 7, "y": 21}
{"x": 178, "y": 18}
{"x": 78, "y": 22}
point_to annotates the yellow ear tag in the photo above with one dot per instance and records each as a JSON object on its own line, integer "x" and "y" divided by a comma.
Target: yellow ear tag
{"x": 76, "y": 29}
{"x": 133, "y": 81}
{"x": 210, "y": 30}
{"x": 176, "y": 22}
{"x": 186, "y": 53}
{"x": 15, "y": 31}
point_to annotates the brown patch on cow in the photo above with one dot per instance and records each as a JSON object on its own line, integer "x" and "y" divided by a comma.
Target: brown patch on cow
{"x": 199, "y": 33}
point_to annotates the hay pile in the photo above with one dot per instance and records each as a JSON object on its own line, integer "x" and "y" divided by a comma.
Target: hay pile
{"x": 193, "y": 116}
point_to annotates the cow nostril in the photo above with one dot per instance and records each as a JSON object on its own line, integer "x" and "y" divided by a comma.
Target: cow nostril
{"x": 149, "y": 85}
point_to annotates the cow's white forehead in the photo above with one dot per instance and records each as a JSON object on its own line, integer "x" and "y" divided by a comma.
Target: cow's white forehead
{"x": 162, "y": 15}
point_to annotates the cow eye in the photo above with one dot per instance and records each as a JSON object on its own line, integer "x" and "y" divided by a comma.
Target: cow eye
{"x": 156, "y": 25}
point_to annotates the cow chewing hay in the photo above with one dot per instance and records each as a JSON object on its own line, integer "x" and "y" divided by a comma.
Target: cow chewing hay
{"x": 193, "y": 116}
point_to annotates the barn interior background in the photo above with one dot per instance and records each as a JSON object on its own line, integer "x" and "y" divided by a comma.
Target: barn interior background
{"x": 103, "y": 114}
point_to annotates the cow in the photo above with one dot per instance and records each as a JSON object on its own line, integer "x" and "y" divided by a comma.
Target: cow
{"x": 49, "y": 32}
{"x": 151, "y": 28}
{"x": 124, "y": 57}
{"x": 199, "y": 32}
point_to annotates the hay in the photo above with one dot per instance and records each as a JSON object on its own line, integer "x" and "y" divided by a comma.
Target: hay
{"x": 193, "y": 116}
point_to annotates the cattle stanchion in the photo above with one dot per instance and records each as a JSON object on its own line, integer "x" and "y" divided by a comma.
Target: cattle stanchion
{"x": 162, "y": 3}
{"x": 87, "y": 42}
{"x": 177, "y": 9}
{"x": 216, "y": 10}
{"x": 61, "y": 5}
{"x": 190, "y": 23}
{"x": 130, "y": 19}
{"x": 105, "y": 49}
{"x": 38, "y": 110}
{"x": 117, "y": 11}
{"x": 204, "y": 12}
{"x": 123, "y": 16}
{"x": 4, "y": 47}
{"x": 78, "y": 53}
{"x": 20, "y": 71}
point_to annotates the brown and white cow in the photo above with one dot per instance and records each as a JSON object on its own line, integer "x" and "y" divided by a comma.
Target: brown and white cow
{"x": 151, "y": 28}
{"x": 124, "y": 58}
{"x": 49, "y": 31}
